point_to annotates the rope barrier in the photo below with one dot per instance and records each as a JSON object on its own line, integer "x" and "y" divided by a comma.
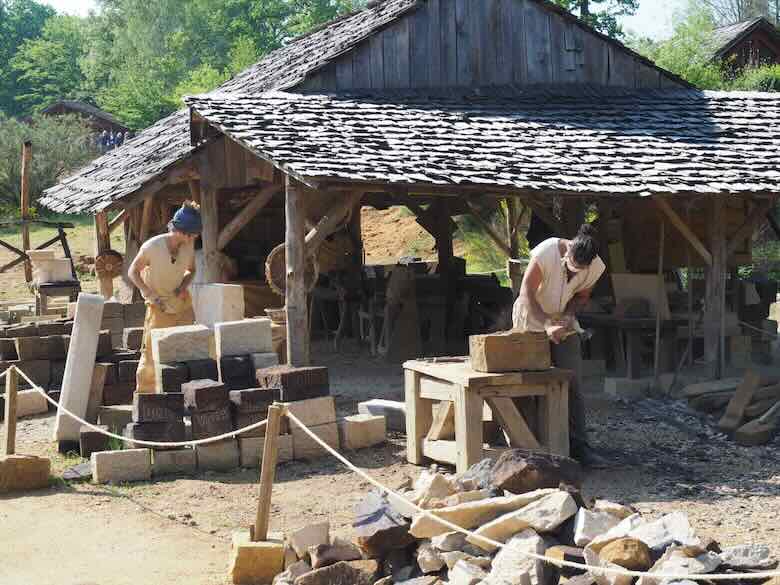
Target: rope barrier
{"x": 497, "y": 544}
{"x": 749, "y": 326}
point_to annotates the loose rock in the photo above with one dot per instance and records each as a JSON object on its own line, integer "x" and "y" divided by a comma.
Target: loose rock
{"x": 519, "y": 471}
{"x": 748, "y": 557}
{"x": 589, "y": 525}
{"x": 628, "y": 553}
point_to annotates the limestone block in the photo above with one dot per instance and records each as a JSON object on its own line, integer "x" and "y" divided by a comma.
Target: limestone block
{"x": 211, "y": 423}
{"x": 203, "y": 369}
{"x": 132, "y": 338}
{"x": 613, "y": 508}
{"x": 174, "y": 461}
{"x": 251, "y": 450}
{"x": 464, "y": 573}
{"x": 219, "y": 456}
{"x": 134, "y": 314}
{"x": 255, "y": 562}
{"x": 308, "y": 536}
{"x": 149, "y": 408}
{"x": 245, "y": 337}
{"x": 304, "y": 447}
{"x": 217, "y": 303}
{"x": 92, "y": 441}
{"x": 588, "y": 525}
{"x": 628, "y": 553}
{"x": 253, "y": 399}
{"x": 627, "y": 388}
{"x": 325, "y": 554}
{"x": 23, "y": 472}
{"x": 295, "y": 383}
{"x": 361, "y": 430}
{"x": 181, "y": 344}
{"x": 242, "y": 420}
{"x": 120, "y": 466}
{"x": 393, "y": 411}
{"x": 32, "y": 348}
{"x": 116, "y": 418}
{"x": 264, "y": 360}
{"x": 77, "y": 379}
{"x": 204, "y": 395}
{"x": 30, "y": 402}
{"x": 156, "y": 432}
{"x": 346, "y": 572}
{"x": 543, "y": 515}
{"x": 429, "y": 559}
{"x": 512, "y": 563}
{"x": 748, "y": 557}
{"x": 313, "y": 412}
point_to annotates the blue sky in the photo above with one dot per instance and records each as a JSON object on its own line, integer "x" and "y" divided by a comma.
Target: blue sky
{"x": 654, "y": 18}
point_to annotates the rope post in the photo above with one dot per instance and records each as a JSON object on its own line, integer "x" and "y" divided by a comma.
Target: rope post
{"x": 267, "y": 472}
{"x": 11, "y": 386}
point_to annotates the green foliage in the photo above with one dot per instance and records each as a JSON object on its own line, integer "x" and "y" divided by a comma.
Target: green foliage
{"x": 602, "y": 14}
{"x": 766, "y": 78}
{"x": 60, "y": 145}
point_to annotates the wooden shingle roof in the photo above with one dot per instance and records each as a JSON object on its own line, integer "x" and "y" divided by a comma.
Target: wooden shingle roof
{"x": 725, "y": 37}
{"x": 594, "y": 141}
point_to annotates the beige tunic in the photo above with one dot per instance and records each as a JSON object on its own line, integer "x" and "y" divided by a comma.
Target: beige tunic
{"x": 555, "y": 290}
{"x": 164, "y": 273}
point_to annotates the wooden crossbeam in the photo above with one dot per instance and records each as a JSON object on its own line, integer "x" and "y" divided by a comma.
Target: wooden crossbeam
{"x": 746, "y": 229}
{"x": 243, "y": 217}
{"x": 544, "y": 214}
{"x": 513, "y": 423}
{"x": 682, "y": 227}
{"x": 331, "y": 220}
{"x": 502, "y": 245}
{"x": 117, "y": 221}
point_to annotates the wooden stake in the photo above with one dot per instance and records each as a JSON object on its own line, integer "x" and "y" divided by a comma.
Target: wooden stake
{"x": 25, "y": 205}
{"x": 295, "y": 288}
{"x": 11, "y": 387}
{"x": 267, "y": 473}
{"x": 661, "y": 292}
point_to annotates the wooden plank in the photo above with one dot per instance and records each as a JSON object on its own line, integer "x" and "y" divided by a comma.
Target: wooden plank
{"x": 595, "y": 59}
{"x": 538, "y": 58}
{"x": 465, "y": 49}
{"x": 443, "y": 425}
{"x": 419, "y": 49}
{"x": 267, "y": 473}
{"x": 344, "y": 75}
{"x": 194, "y": 187}
{"x": 296, "y": 304}
{"x": 376, "y": 44}
{"x": 117, "y": 221}
{"x": 449, "y": 44}
{"x": 557, "y": 419}
{"x": 659, "y": 295}
{"x": 746, "y": 229}
{"x": 489, "y": 24}
{"x": 684, "y": 230}
{"x": 389, "y": 49}
{"x": 333, "y": 219}
{"x": 243, "y": 217}
{"x": 434, "y": 41}
{"x": 510, "y": 419}
{"x": 441, "y": 451}
{"x": 563, "y": 65}
{"x": 504, "y": 43}
{"x": 419, "y": 415}
{"x": 433, "y": 389}
{"x": 622, "y": 68}
{"x": 468, "y": 434}
{"x": 515, "y": 16}
{"x": 361, "y": 66}
{"x": 11, "y": 388}
{"x": 25, "y": 204}
{"x": 735, "y": 411}
{"x": 403, "y": 52}
{"x": 647, "y": 77}
{"x": 235, "y": 169}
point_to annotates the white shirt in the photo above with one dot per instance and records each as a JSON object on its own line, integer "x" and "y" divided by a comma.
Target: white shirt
{"x": 556, "y": 289}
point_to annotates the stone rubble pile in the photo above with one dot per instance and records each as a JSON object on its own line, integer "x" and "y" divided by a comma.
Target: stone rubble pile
{"x": 531, "y": 503}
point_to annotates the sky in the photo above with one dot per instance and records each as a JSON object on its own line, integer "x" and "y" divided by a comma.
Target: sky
{"x": 654, "y": 18}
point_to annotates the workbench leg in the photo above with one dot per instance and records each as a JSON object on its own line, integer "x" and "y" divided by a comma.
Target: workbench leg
{"x": 468, "y": 431}
{"x": 419, "y": 416}
{"x": 556, "y": 404}
{"x": 634, "y": 354}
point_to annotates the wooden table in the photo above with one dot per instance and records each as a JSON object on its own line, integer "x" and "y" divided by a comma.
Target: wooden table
{"x": 46, "y": 290}
{"x": 428, "y": 382}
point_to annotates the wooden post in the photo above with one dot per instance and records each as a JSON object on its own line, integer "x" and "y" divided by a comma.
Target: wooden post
{"x": 209, "y": 213}
{"x": 103, "y": 243}
{"x": 714, "y": 284}
{"x": 661, "y": 293}
{"x": 513, "y": 218}
{"x": 25, "y": 205}
{"x": 295, "y": 288}
{"x": 11, "y": 386}
{"x": 267, "y": 473}
{"x": 146, "y": 219}
{"x": 690, "y": 293}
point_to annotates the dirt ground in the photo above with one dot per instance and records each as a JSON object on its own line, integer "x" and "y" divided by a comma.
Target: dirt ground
{"x": 178, "y": 530}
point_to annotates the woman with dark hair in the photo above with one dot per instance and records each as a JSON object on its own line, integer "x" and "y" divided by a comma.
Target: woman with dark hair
{"x": 558, "y": 281}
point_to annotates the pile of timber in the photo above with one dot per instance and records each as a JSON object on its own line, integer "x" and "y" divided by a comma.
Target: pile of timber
{"x": 531, "y": 503}
{"x": 748, "y": 409}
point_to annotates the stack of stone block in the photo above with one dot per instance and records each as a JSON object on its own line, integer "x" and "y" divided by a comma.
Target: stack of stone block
{"x": 174, "y": 348}
{"x": 250, "y": 407}
{"x": 295, "y": 383}
{"x": 208, "y": 404}
{"x": 157, "y": 417}
{"x": 238, "y": 346}
{"x": 120, "y": 382}
{"x": 116, "y": 317}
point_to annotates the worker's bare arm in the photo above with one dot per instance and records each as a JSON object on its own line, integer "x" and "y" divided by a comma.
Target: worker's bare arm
{"x": 532, "y": 279}
{"x": 189, "y": 275}
{"x": 134, "y": 273}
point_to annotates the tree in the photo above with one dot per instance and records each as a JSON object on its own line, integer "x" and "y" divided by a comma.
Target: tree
{"x": 61, "y": 144}
{"x": 734, "y": 11}
{"x": 604, "y": 19}
{"x": 19, "y": 20}
{"x": 50, "y": 65}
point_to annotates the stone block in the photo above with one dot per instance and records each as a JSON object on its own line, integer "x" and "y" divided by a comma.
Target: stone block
{"x": 253, "y": 563}
{"x": 295, "y": 383}
{"x": 219, "y": 456}
{"x": 465, "y": 573}
{"x": 57, "y": 346}
{"x": 393, "y": 411}
{"x": 314, "y": 412}
{"x": 261, "y": 361}
{"x": 253, "y": 399}
{"x": 211, "y": 423}
{"x": 379, "y": 527}
{"x": 23, "y": 472}
{"x": 134, "y": 314}
{"x": 361, "y": 430}
{"x": 304, "y": 447}
{"x": 203, "y": 369}
{"x": 520, "y": 471}
{"x": 8, "y": 349}
{"x": 149, "y": 408}
{"x": 121, "y": 466}
{"x": 170, "y": 377}
{"x": 627, "y": 389}
{"x": 126, "y": 370}
{"x": 112, "y": 372}
{"x": 245, "y": 337}
{"x": 132, "y": 338}
{"x": 39, "y": 371}
{"x": 119, "y": 394}
{"x": 182, "y": 344}
{"x": 91, "y": 441}
{"x": 32, "y": 348}
{"x": 217, "y": 303}
{"x": 115, "y": 325}
{"x": 105, "y": 344}
{"x": 251, "y": 450}
{"x": 54, "y": 328}
{"x": 113, "y": 310}
{"x": 310, "y": 535}
{"x": 244, "y": 419}
{"x": 116, "y": 418}
{"x": 588, "y": 525}
{"x": 173, "y": 461}
{"x": 57, "y": 374}
{"x": 508, "y": 351}
{"x": 236, "y": 372}
{"x": 158, "y": 432}
{"x": 204, "y": 395}
{"x": 29, "y": 403}
{"x": 29, "y": 330}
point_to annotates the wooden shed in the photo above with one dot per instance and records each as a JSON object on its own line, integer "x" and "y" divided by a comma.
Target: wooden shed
{"x": 445, "y": 106}
{"x": 96, "y": 118}
{"x": 751, "y": 43}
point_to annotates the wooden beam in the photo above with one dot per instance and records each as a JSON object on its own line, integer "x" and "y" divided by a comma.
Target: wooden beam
{"x": 117, "y": 221}
{"x": 267, "y": 473}
{"x": 146, "y": 219}
{"x": 194, "y": 185}
{"x": 295, "y": 288}
{"x": 103, "y": 243}
{"x": 334, "y": 217}
{"x": 243, "y": 217}
{"x": 715, "y": 274}
{"x": 11, "y": 386}
{"x": 25, "y": 205}
{"x": 683, "y": 228}
{"x": 502, "y": 245}
{"x": 746, "y": 229}
{"x": 544, "y": 214}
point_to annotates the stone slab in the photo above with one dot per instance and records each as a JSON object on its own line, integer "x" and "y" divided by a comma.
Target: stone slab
{"x": 216, "y": 303}
{"x": 251, "y": 450}
{"x": 211, "y": 423}
{"x": 23, "y": 472}
{"x": 158, "y": 432}
{"x": 127, "y": 369}
{"x": 219, "y": 456}
{"x": 245, "y": 337}
{"x": 295, "y": 383}
{"x": 361, "y": 430}
{"x": 236, "y": 372}
{"x": 91, "y": 441}
{"x": 116, "y": 418}
{"x": 244, "y": 419}
{"x": 121, "y": 466}
{"x": 150, "y": 408}
{"x": 174, "y": 461}
{"x": 264, "y": 360}
{"x": 120, "y": 393}
{"x": 253, "y": 563}
{"x": 313, "y": 412}
{"x": 181, "y": 344}
{"x": 77, "y": 378}
{"x": 253, "y": 399}
{"x": 29, "y": 403}
{"x": 202, "y": 369}
{"x": 170, "y": 377}
{"x": 204, "y": 395}
{"x": 393, "y": 411}
{"x": 39, "y": 371}
{"x": 304, "y": 447}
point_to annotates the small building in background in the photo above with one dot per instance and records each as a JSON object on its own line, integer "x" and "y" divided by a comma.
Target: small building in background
{"x": 751, "y": 43}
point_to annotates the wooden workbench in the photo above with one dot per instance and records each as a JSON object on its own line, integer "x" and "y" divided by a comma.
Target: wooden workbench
{"x": 428, "y": 382}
